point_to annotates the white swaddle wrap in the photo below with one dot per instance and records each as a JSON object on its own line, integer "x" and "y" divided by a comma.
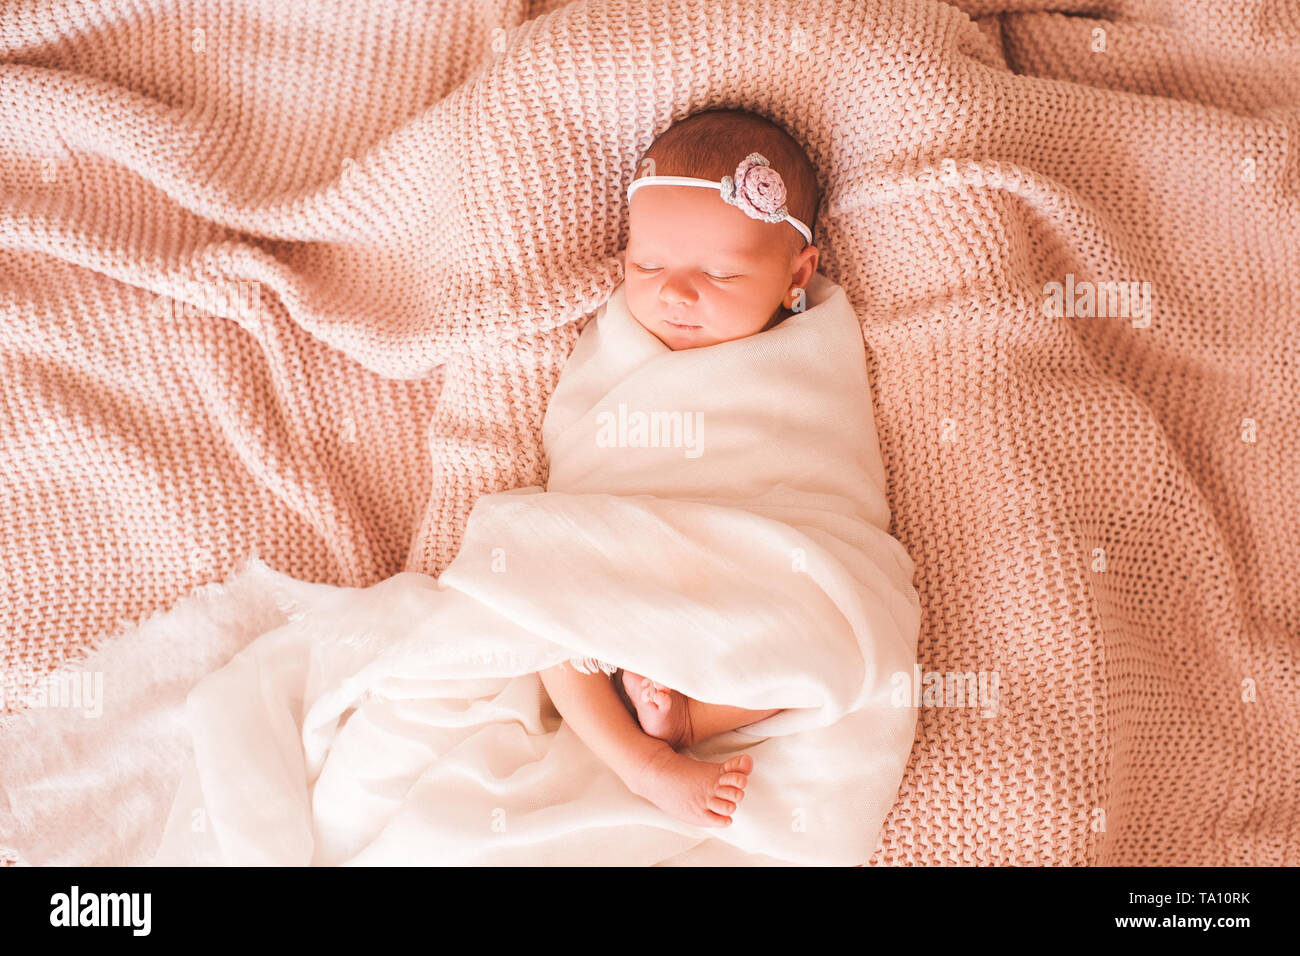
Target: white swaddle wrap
{"x": 715, "y": 519}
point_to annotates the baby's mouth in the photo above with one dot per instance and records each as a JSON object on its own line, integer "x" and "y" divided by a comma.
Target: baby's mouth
{"x": 680, "y": 325}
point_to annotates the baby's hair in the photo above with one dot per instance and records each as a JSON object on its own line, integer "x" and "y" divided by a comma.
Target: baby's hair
{"x": 711, "y": 144}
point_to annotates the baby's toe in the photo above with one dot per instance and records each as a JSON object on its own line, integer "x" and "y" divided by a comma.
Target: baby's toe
{"x": 742, "y": 764}
{"x": 734, "y": 794}
{"x": 736, "y": 780}
{"x": 724, "y": 807}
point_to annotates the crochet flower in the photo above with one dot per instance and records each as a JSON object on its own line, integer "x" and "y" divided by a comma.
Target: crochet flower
{"x": 756, "y": 189}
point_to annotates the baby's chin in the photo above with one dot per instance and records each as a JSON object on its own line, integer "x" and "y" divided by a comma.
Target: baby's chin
{"x": 680, "y": 339}
{"x": 693, "y": 338}
{"x": 676, "y": 339}
{"x": 696, "y": 337}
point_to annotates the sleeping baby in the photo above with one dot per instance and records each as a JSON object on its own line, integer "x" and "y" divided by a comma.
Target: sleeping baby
{"x": 702, "y": 266}
{"x": 408, "y": 720}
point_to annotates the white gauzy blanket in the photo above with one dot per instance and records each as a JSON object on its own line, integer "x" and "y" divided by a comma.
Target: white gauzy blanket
{"x": 715, "y": 519}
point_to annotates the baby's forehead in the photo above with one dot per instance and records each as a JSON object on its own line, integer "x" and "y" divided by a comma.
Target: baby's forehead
{"x": 722, "y": 240}
{"x": 713, "y": 250}
{"x": 682, "y": 231}
{"x": 688, "y": 218}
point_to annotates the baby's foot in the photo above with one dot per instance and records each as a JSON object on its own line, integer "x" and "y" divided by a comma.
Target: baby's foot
{"x": 662, "y": 712}
{"x": 701, "y": 793}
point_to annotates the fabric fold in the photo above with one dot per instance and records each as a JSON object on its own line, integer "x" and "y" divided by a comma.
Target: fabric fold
{"x": 406, "y": 723}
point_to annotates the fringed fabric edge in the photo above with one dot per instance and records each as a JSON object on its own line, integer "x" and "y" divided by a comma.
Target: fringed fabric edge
{"x": 590, "y": 665}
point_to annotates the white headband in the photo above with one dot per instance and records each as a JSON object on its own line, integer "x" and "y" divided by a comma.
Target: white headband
{"x": 756, "y": 189}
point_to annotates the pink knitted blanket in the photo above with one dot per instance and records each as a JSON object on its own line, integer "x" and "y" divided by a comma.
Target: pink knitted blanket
{"x": 298, "y": 279}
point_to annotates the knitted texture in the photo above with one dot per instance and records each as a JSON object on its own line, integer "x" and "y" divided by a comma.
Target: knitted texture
{"x": 298, "y": 279}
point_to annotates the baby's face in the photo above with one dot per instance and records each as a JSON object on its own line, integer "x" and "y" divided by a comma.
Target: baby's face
{"x": 699, "y": 271}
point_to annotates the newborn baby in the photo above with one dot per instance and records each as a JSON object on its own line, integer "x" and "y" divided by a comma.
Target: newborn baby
{"x": 702, "y": 266}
